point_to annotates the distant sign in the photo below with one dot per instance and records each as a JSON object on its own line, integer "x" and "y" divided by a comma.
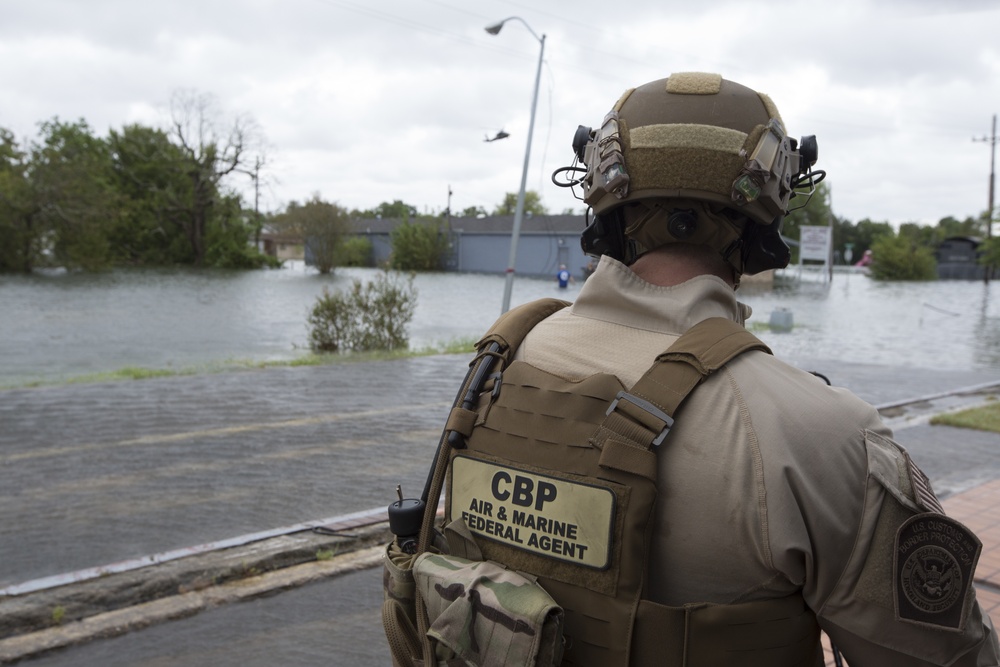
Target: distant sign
{"x": 815, "y": 243}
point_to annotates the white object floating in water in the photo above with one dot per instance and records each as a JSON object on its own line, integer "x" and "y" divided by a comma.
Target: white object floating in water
{"x": 781, "y": 320}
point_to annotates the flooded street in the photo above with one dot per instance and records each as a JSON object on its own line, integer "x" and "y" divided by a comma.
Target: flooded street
{"x": 98, "y": 473}
{"x": 58, "y": 326}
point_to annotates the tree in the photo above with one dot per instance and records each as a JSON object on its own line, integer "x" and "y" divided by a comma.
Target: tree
{"x": 814, "y": 212}
{"x": 950, "y": 226}
{"x": 472, "y": 211}
{"x": 418, "y": 246}
{"x": 867, "y": 232}
{"x": 73, "y": 184}
{"x": 207, "y": 157}
{"x": 321, "y": 225}
{"x": 532, "y": 204}
{"x": 396, "y": 210}
{"x": 146, "y": 168}
{"x": 19, "y": 230}
{"x": 990, "y": 249}
{"x": 902, "y": 258}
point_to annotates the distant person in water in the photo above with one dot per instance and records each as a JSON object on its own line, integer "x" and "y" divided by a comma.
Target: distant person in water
{"x": 564, "y": 277}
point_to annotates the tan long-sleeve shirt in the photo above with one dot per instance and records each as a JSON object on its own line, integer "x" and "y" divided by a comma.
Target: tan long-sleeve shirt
{"x": 771, "y": 482}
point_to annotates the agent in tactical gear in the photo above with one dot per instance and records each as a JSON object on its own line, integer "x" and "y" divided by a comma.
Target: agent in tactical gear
{"x": 652, "y": 485}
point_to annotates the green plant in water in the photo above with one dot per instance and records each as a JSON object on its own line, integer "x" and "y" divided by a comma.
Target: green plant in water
{"x": 367, "y": 316}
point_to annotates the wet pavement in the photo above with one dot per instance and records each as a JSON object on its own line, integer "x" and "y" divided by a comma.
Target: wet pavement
{"x": 95, "y": 474}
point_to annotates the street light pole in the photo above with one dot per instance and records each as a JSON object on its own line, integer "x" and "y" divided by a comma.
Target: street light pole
{"x": 519, "y": 211}
{"x": 992, "y": 140}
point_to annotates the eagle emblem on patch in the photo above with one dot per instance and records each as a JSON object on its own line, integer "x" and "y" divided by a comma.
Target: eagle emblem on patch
{"x": 935, "y": 559}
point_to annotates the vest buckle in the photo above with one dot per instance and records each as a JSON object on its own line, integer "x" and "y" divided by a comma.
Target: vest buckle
{"x": 646, "y": 406}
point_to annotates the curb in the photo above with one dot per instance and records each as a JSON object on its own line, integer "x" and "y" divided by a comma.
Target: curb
{"x": 36, "y": 623}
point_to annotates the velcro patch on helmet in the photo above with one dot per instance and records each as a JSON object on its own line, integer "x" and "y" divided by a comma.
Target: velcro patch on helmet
{"x": 688, "y": 135}
{"x": 694, "y": 83}
{"x": 933, "y": 568}
{"x": 684, "y": 157}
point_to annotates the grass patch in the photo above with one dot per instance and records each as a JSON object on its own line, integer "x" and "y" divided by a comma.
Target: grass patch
{"x": 456, "y": 346}
{"x": 984, "y": 418}
{"x": 127, "y": 373}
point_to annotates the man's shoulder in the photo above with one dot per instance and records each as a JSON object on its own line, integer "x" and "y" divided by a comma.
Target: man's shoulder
{"x": 773, "y": 386}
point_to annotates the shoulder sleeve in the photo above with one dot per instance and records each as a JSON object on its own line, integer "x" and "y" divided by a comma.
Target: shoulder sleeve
{"x": 906, "y": 595}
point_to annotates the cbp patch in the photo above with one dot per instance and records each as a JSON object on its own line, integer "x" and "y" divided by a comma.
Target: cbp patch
{"x": 934, "y": 562}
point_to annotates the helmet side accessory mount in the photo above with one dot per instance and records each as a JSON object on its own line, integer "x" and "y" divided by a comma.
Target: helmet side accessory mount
{"x": 708, "y": 160}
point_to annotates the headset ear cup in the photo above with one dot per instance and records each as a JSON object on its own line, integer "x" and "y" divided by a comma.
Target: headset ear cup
{"x": 606, "y": 236}
{"x": 764, "y": 248}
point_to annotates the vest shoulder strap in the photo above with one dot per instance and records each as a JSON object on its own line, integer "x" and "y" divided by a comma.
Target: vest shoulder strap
{"x": 511, "y": 328}
{"x": 641, "y": 418}
{"x": 700, "y": 351}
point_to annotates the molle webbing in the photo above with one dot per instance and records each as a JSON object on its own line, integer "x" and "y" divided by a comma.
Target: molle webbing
{"x": 629, "y": 428}
{"x": 536, "y": 426}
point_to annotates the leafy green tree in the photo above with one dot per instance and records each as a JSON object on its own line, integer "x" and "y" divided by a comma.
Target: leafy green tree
{"x": 990, "y": 249}
{"x": 321, "y": 225}
{"x": 950, "y": 226}
{"x": 532, "y": 204}
{"x": 355, "y": 251}
{"x": 902, "y": 258}
{"x": 151, "y": 229}
{"x": 418, "y": 246}
{"x": 472, "y": 211}
{"x": 20, "y": 231}
{"x": 814, "y": 212}
{"x": 867, "y": 232}
{"x": 72, "y": 180}
{"x": 227, "y": 241}
{"x": 395, "y": 210}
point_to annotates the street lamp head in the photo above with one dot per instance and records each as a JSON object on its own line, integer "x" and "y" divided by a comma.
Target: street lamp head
{"x": 495, "y": 28}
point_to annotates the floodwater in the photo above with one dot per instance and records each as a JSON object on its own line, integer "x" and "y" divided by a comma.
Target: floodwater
{"x": 56, "y": 326}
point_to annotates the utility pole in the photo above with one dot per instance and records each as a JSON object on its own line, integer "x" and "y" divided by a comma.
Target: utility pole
{"x": 992, "y": 140}
{"x": 447, "y": 220}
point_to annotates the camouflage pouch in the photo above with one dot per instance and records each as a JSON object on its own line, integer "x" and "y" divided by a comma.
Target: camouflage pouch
{"x": 488, "y": 615}
{"x": 399, "y": 610}
{"x": 397, "y": 580}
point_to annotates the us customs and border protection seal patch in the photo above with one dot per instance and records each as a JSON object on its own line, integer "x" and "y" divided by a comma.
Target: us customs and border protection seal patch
{"x": 934, "y": 563}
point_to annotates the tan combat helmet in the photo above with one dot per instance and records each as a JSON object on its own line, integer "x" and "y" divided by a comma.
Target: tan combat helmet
{"x": 692, "y": 158}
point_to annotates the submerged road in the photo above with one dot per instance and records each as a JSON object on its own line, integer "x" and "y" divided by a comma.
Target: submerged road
{"x": 100, "y": 473}
{"x": 94, "y": 474}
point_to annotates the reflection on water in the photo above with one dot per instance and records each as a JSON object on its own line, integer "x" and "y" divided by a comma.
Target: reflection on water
{"x": 938, "y": 324}
{"x": 59, "y": 325}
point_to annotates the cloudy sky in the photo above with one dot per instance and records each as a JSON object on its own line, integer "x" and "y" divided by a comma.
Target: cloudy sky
{"x": 364, "y": 101}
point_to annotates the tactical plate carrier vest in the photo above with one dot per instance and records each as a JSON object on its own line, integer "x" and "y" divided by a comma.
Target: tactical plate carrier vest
{"x": 558, "y": 479}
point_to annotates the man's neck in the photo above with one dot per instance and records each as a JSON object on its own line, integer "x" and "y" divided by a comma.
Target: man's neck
{"x": 674, "y": 264}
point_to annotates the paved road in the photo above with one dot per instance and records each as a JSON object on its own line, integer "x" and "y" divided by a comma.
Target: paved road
{"x": 92, "y": 474}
